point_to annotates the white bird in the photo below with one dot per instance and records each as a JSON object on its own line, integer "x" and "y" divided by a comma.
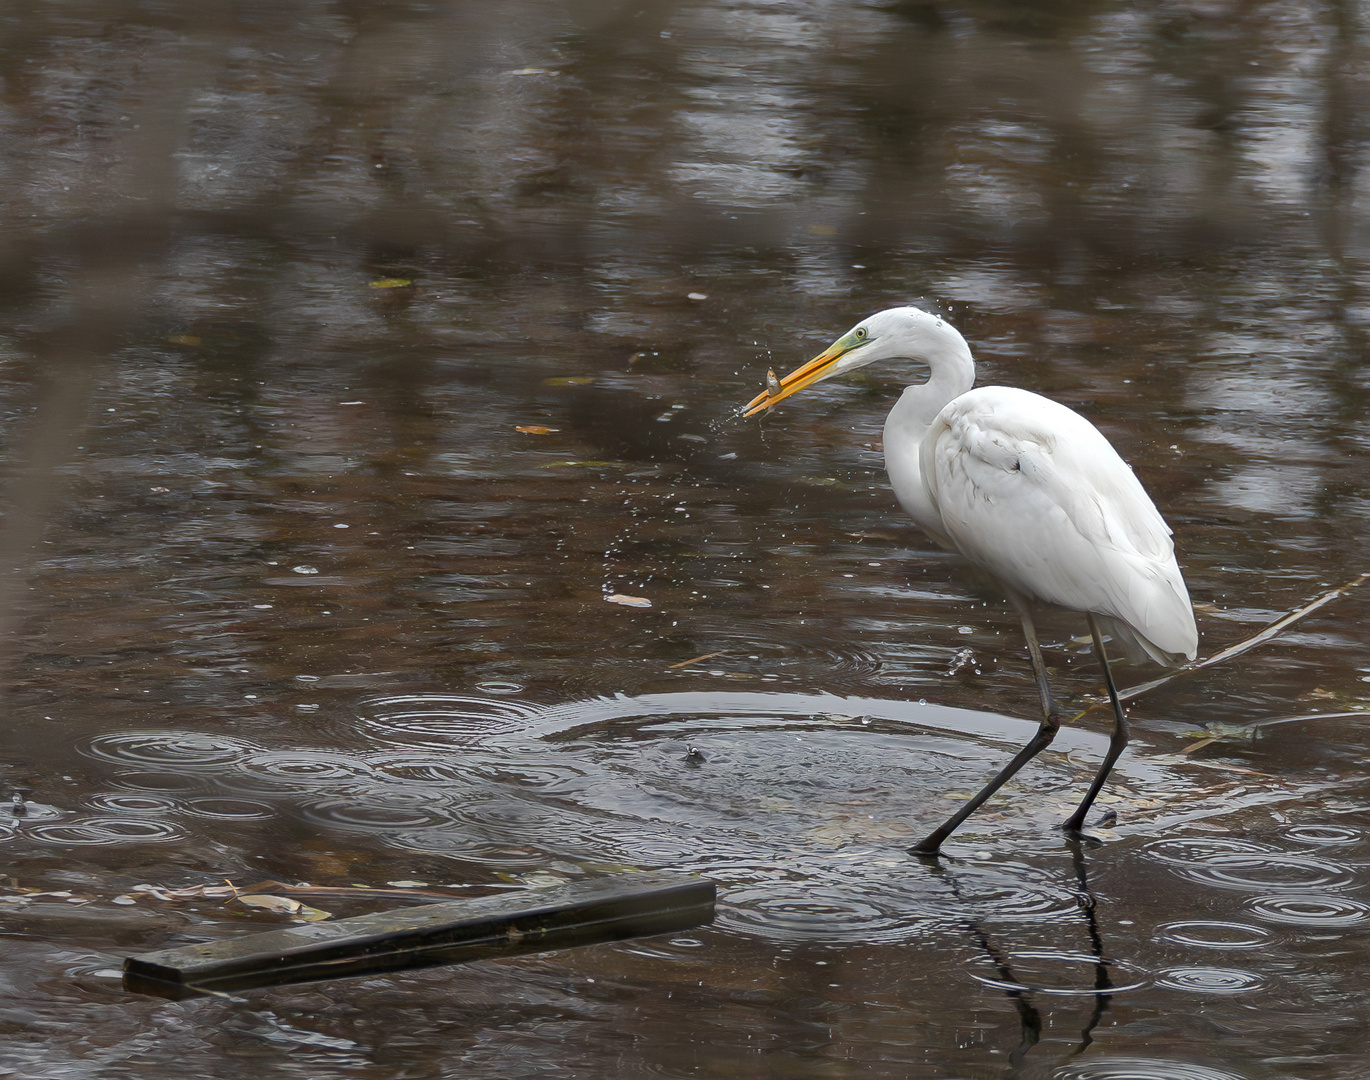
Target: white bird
{"x": 1032, "y": 493}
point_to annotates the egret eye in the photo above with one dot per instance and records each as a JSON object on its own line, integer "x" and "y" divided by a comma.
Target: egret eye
{"x": 861, "y": 332}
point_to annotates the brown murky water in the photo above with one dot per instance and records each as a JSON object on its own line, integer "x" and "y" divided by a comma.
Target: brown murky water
{"x": 354, "y": 355}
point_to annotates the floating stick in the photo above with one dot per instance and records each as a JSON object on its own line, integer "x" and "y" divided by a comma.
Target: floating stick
{"x": 537, "y": 920}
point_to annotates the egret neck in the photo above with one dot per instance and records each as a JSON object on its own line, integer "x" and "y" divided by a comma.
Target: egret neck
{"x": 952, "y": 373}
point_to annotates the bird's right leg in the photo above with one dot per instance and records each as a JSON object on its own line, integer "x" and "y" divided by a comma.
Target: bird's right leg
{"x": 1051, "y": 723}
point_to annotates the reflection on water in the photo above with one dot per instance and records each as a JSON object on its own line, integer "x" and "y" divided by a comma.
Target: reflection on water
{"x": 799, "y": 806}
{"x": 352, "y": 358}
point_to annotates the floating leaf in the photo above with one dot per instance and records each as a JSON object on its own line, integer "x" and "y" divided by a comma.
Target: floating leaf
{"x": 312, "y": 914}
{"x": 184, "y": 339}
{"x": 536, "y": 429}
{"x": 569, "y": 380}
{"x": 283, "y": 904}
{"x": 628, "y": 601}
{"x": 541, "y": 879}
{"x": 391, "y": 283}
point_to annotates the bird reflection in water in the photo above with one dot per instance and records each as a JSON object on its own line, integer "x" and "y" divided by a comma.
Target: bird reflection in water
{"x": 1020, "y": 991}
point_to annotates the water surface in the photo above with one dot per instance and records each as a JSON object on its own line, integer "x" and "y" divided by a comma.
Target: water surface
{"x": 353, "y": 358}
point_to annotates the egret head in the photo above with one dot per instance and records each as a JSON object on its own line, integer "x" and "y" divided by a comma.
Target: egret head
{"x": 901, "y": 332}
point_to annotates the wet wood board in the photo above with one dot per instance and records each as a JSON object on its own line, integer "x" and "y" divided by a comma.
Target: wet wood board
{"x": 539, "y": 920}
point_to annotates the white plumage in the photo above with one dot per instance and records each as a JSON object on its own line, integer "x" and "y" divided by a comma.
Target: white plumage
{"x": 1031, "y": 492}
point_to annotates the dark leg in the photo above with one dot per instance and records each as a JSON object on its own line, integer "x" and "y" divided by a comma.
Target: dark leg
{"x": 1039, "y": 667}
{"x": 1116, "y": 743}
{"x": 1051, "y": 723}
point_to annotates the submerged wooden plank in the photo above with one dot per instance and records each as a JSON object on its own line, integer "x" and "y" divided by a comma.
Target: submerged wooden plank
{"x": 539, "y": 920}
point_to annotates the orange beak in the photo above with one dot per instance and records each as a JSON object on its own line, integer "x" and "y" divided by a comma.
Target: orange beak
{"x": 817, "y": 369}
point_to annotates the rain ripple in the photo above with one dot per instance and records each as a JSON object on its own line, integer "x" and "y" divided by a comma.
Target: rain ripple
{"x": 1267, "y": 870}
{"x": 229, "y": 809}
{"x": 103, "y": 831}
{"x": 1310, "y": 910}
{"x": 1330, "y": 835}
{"x": 1193, "y": 849}
{"x": 133, "y": 804}
{"x": 293, "y": 771}
{"x": 419, "y": 767}
{"x": 1213, "y": 935}
{"x": 170, "y": 783}
{"x": 811, "y": 911}
{"x": 547, "y": 776}
{"x": 498, "y": 854}
{"x": 378, "y": 812}
{"x": 445, "y": 720}
{"x": 874, "y": 901}
{"x": 170, "y": 749}
{"x": 1048, "y": 971}
{"x": 1209, "y": 980}
{"x": 1140, "y": 1069}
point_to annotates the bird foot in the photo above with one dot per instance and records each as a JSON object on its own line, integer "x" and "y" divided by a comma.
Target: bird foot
{"x": 1077, "y": 834}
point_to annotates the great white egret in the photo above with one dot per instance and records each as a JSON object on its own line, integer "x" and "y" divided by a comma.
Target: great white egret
{"x": 1029, "y": 491}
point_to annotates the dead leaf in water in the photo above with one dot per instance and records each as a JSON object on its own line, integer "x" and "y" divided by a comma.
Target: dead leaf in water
{"x": 569, "y": 380}
{"x": 628, "y": 601}
{"x": 390, "y": 283}
{"x": 535, "y": 429}
{"x": 283, "y": 904}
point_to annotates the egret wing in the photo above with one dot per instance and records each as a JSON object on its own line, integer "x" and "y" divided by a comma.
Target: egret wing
{"x": 1032, "y": 492}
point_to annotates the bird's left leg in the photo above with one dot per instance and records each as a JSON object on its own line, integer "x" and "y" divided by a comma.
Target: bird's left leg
{"x": 1051, "y": 724}
{"x": 1116, "y": 743}
{"x": 1050, "y": 713}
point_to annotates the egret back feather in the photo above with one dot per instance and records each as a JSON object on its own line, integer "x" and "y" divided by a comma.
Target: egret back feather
{"x": 1033, "y": 493}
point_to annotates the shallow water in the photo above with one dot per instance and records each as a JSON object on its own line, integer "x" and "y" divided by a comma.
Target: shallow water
{"x": 354, "y": 358}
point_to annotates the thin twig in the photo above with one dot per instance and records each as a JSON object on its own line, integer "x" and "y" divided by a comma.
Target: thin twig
{"x": 1256, "y": 725}
{"x": 695, "y": 660}
{"x": 1284, "y": 622}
